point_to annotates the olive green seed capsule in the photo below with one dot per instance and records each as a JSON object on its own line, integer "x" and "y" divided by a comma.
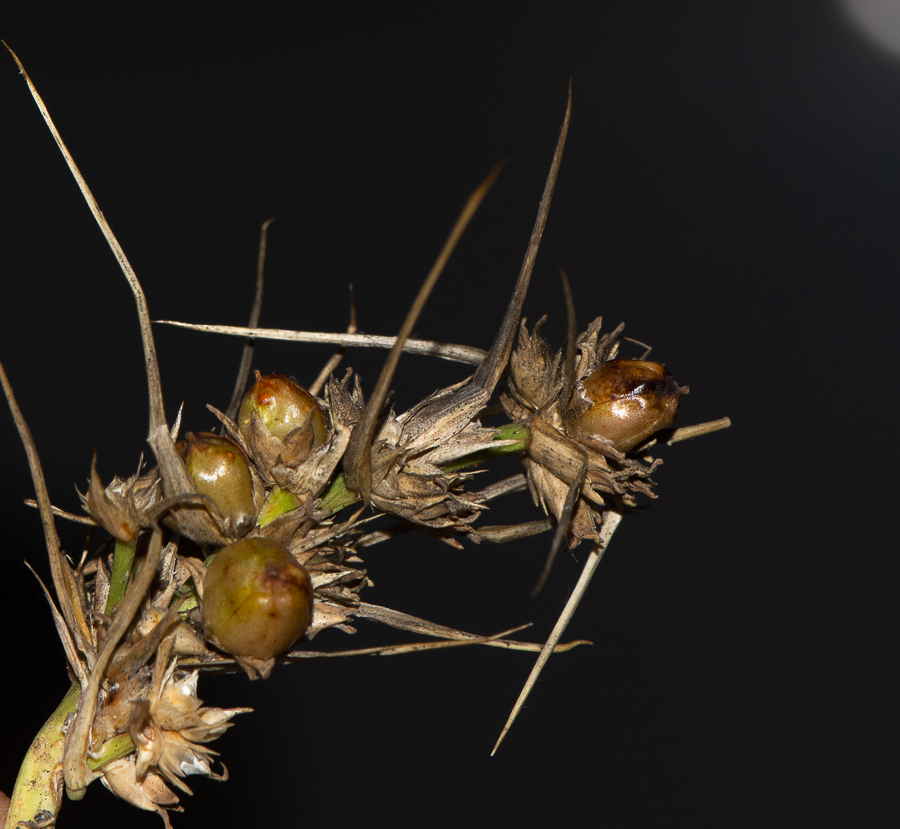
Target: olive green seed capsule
{"x": 281, "y": 423}
{"x": 283, "y": 406}
{"x": 624, "y": 401}
{"x": 218, "y": 468}
{"x": 257, "y": 600}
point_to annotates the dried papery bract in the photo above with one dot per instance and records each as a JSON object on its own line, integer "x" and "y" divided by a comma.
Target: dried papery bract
{"x": 122, "y": 507}
{"x": 75, "y": 769}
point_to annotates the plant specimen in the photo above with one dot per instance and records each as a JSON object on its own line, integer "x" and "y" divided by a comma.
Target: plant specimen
{"x": 236, "y": 550}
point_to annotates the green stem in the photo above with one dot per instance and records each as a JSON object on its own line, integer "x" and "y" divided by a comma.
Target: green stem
{"x": 123, "y": 561}
{"x": 511, "y": 431}
{"x": 39, "y": 784}
{"x": 111, "y": 750}
{"x": 337, "y": 496}
{"x": 277, "y": 504}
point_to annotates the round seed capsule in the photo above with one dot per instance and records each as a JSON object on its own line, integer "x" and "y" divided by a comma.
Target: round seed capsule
{"x": 624, "y": 401}
{"x": 219, "y": 469}
{"x": 257, "y": 600}
{"x": 283, "y": 406}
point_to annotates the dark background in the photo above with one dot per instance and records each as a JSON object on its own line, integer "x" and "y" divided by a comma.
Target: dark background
{"x": 730, "y": 189}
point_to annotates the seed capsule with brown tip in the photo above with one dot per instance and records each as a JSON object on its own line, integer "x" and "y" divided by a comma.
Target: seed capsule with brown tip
{"x": 624, "y": 401}
{"x": 219, "y": 469}
{"x": 257, "y": 600}
{"x": 281, "y": 421}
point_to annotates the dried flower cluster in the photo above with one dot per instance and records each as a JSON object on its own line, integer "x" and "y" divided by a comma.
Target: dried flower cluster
{"x": 229, "y": 552}
{"x": 582, "y": 429}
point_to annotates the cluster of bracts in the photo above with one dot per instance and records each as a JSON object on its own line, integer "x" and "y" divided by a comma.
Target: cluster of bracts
{"x": 251, "y": 562}
{"x": 230, "y": 552}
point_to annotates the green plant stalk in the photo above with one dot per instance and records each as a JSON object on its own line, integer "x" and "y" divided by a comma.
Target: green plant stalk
{"x": 39, "y": 785}
{"x": 123, "y": 561}
{"x": 510, "y": 431}
{"x": 111, "y": 750}
{"x": 277, "y": 504}
{"x": 337, "y": 496}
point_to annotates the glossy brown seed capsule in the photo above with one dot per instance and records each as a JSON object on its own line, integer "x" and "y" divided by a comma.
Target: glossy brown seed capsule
{"x": 257, "y": 600}
{"x": 219, "y": 469}
{"x": 283, "y": 407}
{"x": 624, "y": 401}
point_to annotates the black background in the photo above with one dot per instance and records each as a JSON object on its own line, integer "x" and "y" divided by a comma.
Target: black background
{"x": 730, "y": 190}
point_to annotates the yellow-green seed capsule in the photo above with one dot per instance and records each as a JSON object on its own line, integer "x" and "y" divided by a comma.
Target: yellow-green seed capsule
{"x": 219, "y": 469}
{"x": 257, "y": 600}
{"x": 624, "y": 401}
{"x": 277, "y": 410}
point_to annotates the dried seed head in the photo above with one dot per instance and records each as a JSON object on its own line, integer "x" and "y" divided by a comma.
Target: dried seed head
{"x": 150, "y": 792}
{"x": 281, "y": 421}
{"x": 218, "y": 468}
{"x": 534, "y": 368}
{"x": 168, "y": 724}
{"x": 122, "y": 507}
{"x": 615, "y": 405}
{"x": 623, "y": 401}
{"x": 257, "y": 600}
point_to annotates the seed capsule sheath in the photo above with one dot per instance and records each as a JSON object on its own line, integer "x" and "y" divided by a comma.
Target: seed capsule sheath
{"x": 624, "y": 401}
